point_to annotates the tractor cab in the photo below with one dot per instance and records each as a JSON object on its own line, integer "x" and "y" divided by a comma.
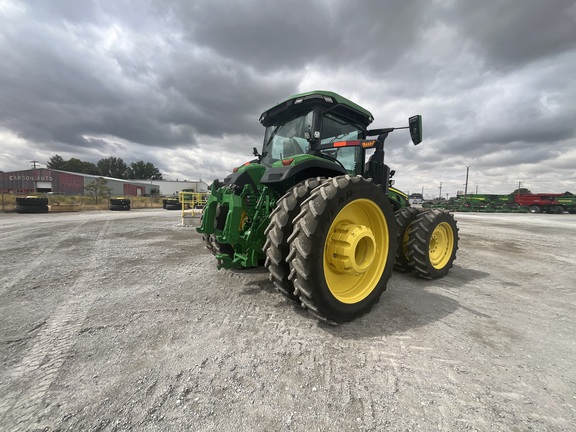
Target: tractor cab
{"x": 326, "y": 133}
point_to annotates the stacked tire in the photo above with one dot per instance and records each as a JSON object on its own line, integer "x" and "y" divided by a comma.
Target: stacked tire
{"x": 171, "y": 204}
{"x": 31, "y": 205}
{"x": 119, "y": 204}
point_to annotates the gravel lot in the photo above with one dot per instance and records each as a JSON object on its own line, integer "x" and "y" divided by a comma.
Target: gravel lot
{"x": 120, "y": 321}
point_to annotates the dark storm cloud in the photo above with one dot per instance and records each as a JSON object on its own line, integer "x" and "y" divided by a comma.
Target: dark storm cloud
{"x": 510, "y": 34}
{"x": 289, "y": 35}
{"x": 182, "y": 82}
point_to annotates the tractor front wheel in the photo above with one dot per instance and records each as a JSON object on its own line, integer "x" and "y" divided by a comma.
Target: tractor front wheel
{"x": 342, "y": 248}
{"x": 432, "y": 243}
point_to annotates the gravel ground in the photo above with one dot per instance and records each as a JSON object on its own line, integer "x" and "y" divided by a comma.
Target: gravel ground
{"x": 120, "y": 321}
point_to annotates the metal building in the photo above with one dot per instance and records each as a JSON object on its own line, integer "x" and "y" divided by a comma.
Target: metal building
{"x": 44, "y": 180}
{"x": 172, "y": 188}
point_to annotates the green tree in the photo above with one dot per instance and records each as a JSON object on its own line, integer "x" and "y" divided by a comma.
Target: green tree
{"x": 79, "y": 166}
{"x": 521, "y": 191}
{"x": 144, "y": 171}
{"x": 98, "y": 188}
{"x": 112, "y": 167}
{"x": 56, "y": 162}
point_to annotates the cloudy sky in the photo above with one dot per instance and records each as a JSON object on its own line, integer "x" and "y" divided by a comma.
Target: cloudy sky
{"x": 182, "y": 83}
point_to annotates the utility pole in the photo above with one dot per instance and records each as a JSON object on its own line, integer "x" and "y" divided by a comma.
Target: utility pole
{"x": 519, "y": 186}
{"x": 466, "y": 185}
{"x": 476, "y": 189}
{"x": 440, "y": 194}
{"x": 34, "y": 162}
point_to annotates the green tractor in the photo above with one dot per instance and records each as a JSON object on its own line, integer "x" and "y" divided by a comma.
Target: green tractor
{"x": 318, "y": 209}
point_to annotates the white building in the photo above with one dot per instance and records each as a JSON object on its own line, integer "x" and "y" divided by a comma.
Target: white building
{"x": 171, "y": 188}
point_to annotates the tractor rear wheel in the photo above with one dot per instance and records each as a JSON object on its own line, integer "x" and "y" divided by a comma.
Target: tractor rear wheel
{"x": 404, "y": 217}
{"x": 279, "y": 229}
{"x": 432, "y": 243}
{"x": 342, "y": 248}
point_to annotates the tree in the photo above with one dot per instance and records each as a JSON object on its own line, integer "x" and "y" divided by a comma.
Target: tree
{"x": 144, "y": 171}
{"x": 56, "y": 162}
{"x": 521, "y": 191}
{"x": 98, "y": 188}
{"x": 78, "y": 166}
{"x": 112, "y": 167}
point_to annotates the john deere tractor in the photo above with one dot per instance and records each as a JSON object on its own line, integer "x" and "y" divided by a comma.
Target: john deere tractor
{"x": 317, "y": 208}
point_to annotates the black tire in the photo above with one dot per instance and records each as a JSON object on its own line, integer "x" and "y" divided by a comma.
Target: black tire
{"x": 432, "y": 244}
{"x": 120, "y": 207}
{"x": 279, "y": 229}
{"x": 535, "y": 209}
{"x": 120, "y": 201}
{"x": 404, "y": 217}
{"x": 342, "y": 248}
{"x": 31, "y": 202}
{"x": 32, "y": 209}
{"x": 173, "y": 207}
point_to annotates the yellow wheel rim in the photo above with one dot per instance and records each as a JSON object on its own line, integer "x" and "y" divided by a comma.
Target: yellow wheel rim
{"x": 356, "y": 251}
{"x": 405, "y": 242}
{"x": 441, "y": 245}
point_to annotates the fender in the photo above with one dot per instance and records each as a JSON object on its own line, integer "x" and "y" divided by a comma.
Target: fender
{"x": 282, "y": 177}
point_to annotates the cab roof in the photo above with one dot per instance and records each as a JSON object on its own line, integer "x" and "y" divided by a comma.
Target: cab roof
{"x": 317, "y": 97}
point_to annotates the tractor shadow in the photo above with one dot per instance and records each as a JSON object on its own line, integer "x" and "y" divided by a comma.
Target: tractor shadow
{"x": 410, "y": 302}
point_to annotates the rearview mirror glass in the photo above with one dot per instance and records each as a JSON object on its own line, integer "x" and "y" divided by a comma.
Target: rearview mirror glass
{"x": 415, "y": 125}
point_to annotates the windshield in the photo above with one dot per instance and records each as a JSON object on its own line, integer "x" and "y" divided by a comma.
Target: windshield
{"x": 286, "y": 139}
{"x": 337, "y": 129}
{"x": 349, "y": 157}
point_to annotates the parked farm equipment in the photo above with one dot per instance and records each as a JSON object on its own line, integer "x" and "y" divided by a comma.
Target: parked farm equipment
{"x": 548, "y": 203}
{"x": 317, "y": 208}
{"x": 512, "y": 203}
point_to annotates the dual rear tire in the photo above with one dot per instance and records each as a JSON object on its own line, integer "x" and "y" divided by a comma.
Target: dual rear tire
{"x": 331, "y": 245}
{"x": 279, "y": 230}
{"x": 340, "y": 251}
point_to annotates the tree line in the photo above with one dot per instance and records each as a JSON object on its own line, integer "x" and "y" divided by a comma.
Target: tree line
{"x": 108, "y": 167}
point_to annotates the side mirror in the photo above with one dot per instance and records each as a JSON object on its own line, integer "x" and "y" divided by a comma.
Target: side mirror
{"x": 415, "y": 125}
